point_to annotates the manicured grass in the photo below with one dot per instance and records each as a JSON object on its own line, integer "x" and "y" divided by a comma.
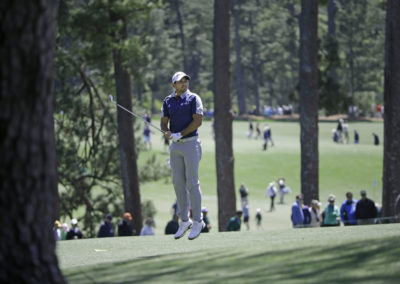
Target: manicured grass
{"x": 343, "y": 167}
{"x": 359, "y": 254}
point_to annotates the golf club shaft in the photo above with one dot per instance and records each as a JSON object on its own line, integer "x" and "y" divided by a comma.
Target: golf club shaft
{"x": 135, "y": 115}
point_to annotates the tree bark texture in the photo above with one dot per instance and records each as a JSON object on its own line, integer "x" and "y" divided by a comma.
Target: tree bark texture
{"x": 223, "y": 115}
{"x": 28, "y": 173}
{"x": 309, "y": 99}
{"x": 239, "y": 67}
{"x": 391, "y": 155}
{"x": 127, "y": 144}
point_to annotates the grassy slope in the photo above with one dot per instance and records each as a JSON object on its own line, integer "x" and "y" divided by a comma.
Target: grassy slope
{"x": 342, "y": 168}
{"x": 321, "y": 255}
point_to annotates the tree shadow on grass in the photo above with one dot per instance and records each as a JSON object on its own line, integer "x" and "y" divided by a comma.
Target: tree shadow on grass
{"x": 373, "y": 261}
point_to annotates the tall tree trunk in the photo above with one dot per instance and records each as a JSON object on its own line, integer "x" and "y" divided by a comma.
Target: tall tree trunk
{"x": 127, "y": 144}
{"x": 181, "y": 34}
{"x": 309, "y": 99}
{"x": 239, "y": 67}
{"x": 28, "y": 173}
{"x": 391, "y": 156}
{"x": 254, "y": 61}
{"x": 223, "y": 115}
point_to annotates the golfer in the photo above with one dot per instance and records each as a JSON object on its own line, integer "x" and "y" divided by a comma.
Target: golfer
{"x": 181, "y": 116}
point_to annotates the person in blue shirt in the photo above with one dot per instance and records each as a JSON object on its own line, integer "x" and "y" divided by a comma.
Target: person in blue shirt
{"x": 348, "y": 210}
{"x": 106, "y": 228}
{"x": 297, "y": 212}
{"x": 181, "y": 116}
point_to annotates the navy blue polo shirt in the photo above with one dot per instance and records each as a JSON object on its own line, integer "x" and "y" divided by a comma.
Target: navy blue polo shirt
{"x": 180, "y": 111}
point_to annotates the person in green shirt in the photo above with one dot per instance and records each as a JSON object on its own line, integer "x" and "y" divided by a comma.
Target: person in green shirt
{"x": 235, "y": 222}
{"x": 332, "y": 213}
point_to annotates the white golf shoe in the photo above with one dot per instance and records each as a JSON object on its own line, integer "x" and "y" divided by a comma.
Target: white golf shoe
{"x": 183, "y": 227}
{"x": 196, "y": 229}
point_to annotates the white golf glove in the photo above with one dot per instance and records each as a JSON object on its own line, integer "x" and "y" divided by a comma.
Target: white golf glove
{"x": 176, "y": 136}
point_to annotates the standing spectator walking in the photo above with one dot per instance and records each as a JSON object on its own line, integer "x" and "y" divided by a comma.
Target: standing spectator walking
{"x": 244, "y": 192}
{"x": 124, "y": 227}
{"x": 106, "y": 228}
{"x": 331, "y": 213}
{"x": 246, "y": 215}
{"x": 271, "y": 192}
{"x": 74, "y": 233}
{"x": 258, "y": 131}
{"x": 182, "y": 114}
{"x": 258, "y": 218}
{"x": 250, "y": 133}
{"x": 266, "y": 137}
{"x": 348, "y": 210}
{"x": 283, "y": 189}
{"x": 297, "y": 212}
{"x": 365, "y": 210}
{"x": 147, "y": 137}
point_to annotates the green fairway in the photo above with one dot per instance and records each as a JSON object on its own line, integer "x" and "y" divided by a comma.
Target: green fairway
{"x": 359, "y": 254}
{"x": 343, "y": 167}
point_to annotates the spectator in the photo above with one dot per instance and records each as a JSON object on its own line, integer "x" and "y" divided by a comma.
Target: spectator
{"x": 315, "y": 213}
{"x": 376, "y": 139}
{"x": 356, "y": 137}
{"x": 348, "y": 210}
{"x": 148, "y": 229}
{"x": 297, "y": 212}
{"x": 307, "y": 215}
{"x": 258, "y": 218}
{"x": 266, "y": 137}
{"x": 250, "y": 133}
{"x": 172, "y": 226}
{"x": 206, "y": 221}
{"x": 283, "y": 189}
{"x": 271, "y": 192}
{"x": 246, "y": 215}
{"x": 57, "y": 230}
{"x": 64, "y": 231}
{"x": 124, "y": 227}
{"x": 235, "y": 222}
{"x": 258, "y": 131}
{"x": 339, "y": 130}
{"x": 147, "y": 137}
{"x": 365, "y": 210}
{"x": 74, "y": 233}
{"x": 243, "y": 193}
{"x": 332, "y": 213}
{"x": 106, "y": 228}
{"x": 345, "y": 130}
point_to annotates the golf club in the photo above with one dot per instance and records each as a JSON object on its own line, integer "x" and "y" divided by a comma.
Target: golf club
{"x": 135, "y": 115}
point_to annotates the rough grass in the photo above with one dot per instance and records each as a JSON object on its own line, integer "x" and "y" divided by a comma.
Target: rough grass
{"x": 360, "y": 254}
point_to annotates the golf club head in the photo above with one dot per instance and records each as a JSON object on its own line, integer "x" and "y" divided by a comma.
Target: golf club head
{"x": 111, "y": 98}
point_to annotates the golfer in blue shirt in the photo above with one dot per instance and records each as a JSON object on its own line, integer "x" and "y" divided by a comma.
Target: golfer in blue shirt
{"x": 181, "y": 116}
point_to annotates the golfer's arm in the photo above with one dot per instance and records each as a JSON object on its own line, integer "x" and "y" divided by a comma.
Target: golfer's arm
{"x": 196, "y": 123}
{"x": 164, "y": 123}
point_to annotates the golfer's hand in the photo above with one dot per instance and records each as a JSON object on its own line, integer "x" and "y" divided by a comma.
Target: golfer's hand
{"x": 176, "y": 136}
{"x": 168, "y": 134}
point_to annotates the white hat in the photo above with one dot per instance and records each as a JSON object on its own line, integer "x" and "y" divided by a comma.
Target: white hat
{"x": 178, "y": 76}
{"x": 74, "y": 222}
{"x": 204, "y": 210}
